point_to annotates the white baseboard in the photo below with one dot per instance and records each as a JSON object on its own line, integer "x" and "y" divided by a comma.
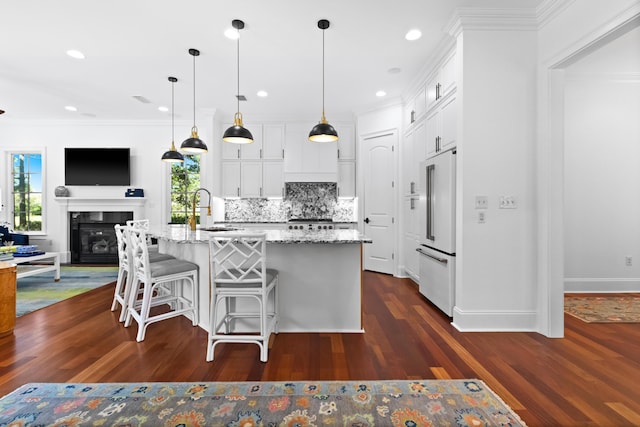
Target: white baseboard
{"x": 602, "y": 285}
{"x": 495, "y": 321}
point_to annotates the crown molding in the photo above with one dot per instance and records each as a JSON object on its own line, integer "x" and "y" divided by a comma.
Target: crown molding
{"x": 550, "y": 9}
{"x": 495, "y": 19}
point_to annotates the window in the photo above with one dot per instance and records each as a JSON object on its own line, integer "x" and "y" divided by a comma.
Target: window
{"x": 26, "y": 171}
{"x": 185, "y": 180}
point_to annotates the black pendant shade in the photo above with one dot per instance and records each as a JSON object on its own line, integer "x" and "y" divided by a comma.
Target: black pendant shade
{"x": 238, "y": 134}
{"x": 194, "y": 144}
{"x": 323, "y": 131}
{"x": 172, "y": 156}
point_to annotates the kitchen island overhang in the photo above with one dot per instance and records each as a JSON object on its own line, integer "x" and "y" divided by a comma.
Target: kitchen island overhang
{"x": 320, "y": 275}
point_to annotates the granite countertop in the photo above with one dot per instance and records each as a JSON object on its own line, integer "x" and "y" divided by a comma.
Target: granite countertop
{"x": 180, "y": 234}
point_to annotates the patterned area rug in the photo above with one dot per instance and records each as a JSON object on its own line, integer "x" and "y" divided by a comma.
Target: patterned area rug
{"x": 349, "y": 403}
{"x": 41, "y": 290}
{"x": 603, "y": 309}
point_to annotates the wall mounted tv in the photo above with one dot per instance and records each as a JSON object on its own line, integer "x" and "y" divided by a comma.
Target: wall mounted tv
{"x": 96, "y": 166}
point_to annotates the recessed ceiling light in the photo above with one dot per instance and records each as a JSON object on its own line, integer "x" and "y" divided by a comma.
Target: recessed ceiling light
{"x": 262, "y": 93}
{"x": 231, "y": 33}
{"x": 394, "y": 70}
{"x": 163, "y": 109}
{"x": 75, "y": 54}
{"x": 70, "y": 108}
{"x": 381, "y": 93}
{"x": 413, "y": 35}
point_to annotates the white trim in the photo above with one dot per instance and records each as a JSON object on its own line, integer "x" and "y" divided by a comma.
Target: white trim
{"x": 601, "y": 284}
{"x": 550, "y": 9}
{"x": 495, "y": 321}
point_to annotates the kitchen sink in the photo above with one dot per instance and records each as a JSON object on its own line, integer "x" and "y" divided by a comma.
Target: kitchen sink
{"x": 219, "y": 228}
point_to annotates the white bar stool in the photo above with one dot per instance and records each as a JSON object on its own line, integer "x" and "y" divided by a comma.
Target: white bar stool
{"x": 238, "y": 270}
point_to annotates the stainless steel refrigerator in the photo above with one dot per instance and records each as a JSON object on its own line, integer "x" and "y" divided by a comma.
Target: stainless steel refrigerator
{"x": 437, "y": 230}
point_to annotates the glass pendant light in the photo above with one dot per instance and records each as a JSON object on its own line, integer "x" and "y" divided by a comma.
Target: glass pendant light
{"x": 194, "y": 144}
{"x": 172, "y": 156}
{"x": 323, "y": 131}
{"x": 238, "y": 134}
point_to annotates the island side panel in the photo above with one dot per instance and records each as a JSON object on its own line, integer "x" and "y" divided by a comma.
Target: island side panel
{"x": 319, "y": 284}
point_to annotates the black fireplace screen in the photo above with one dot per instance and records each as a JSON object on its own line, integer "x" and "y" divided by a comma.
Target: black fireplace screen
{"x": 93, "y": 238}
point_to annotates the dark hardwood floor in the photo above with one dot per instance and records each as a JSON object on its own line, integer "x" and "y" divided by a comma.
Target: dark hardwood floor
{"x": 589, "y": 378}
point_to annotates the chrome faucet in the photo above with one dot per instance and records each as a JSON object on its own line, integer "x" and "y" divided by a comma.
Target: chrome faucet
{"x": 192, "y": 218}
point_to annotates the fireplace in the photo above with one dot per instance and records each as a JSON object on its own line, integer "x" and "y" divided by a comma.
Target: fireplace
{"x": 92, "y": 237}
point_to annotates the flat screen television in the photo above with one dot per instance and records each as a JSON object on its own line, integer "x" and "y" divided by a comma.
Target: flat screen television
{"x": 96, "y": 166}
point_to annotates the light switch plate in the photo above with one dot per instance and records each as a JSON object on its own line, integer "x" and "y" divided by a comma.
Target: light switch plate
{"x": 508, "y": 202}
{"x": 482, "y": 202}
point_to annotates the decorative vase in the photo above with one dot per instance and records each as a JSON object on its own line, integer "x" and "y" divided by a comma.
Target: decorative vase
{"x": 61, "y": 191}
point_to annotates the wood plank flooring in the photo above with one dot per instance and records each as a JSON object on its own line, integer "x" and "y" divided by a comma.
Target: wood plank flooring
{"x": 589, "y": 378}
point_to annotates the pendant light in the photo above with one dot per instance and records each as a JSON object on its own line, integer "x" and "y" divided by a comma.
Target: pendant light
{"x": 238, "y": 134}
{"x": 172, "y": 156}
{"x": 194, "y": 144}
{"x": 323, "y": 131}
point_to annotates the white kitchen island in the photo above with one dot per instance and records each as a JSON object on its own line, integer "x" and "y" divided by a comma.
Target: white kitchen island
{"x": 320, "y": 281}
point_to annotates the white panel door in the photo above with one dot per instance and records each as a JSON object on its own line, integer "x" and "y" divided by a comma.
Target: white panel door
{"x": 378, "y": 202}
{"x": 252, "y": 151}
{"x": 272, "y": 142}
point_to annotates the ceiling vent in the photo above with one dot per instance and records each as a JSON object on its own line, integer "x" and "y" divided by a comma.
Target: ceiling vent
{"x": 141, "y": 99}
{"x": 241, "y": 97}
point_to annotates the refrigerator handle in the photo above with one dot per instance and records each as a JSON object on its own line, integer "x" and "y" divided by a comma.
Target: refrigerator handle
{"x": 442, "y": 260}
{"x": 430, "y": 170}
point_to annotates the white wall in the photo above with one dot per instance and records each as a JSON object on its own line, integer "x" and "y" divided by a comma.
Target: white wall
{"x": 578, "y": 27}
{"x": 147, "y": 141}
{"x": 602, "y": 184}
{"x": 495, "y": 284}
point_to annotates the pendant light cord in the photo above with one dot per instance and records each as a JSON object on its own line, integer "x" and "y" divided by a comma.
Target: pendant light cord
{"x": 323, "y": 73}
{"x": 172, "y": 107}
{"x": 194, "y": 91}
{"x": 238, "y": 64}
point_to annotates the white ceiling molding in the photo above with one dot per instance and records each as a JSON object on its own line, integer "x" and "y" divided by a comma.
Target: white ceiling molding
{"x": 549, "y": 9}
{"x": 481, "y": 19}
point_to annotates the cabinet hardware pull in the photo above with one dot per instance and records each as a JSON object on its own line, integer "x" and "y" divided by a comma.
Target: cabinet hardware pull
{"x": 238, "y": 153}
{"x": 338, "y": 153}
{"x": 261, "y": 153}
{"x": 238, "y": 191}
{"x": 260, "y": 191}
{"x": 412, "y": 187}
{"x": 283, "y": 153}
{"x": 413, "y": 203}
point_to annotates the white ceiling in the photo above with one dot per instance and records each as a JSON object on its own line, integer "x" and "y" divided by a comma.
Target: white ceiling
{"x": 133, "y": 46}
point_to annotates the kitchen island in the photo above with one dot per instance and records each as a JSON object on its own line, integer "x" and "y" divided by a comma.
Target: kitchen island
{"x": 320, "y": 274}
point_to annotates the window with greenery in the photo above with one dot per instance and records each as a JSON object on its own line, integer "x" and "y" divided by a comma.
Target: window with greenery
{"x": 26, "y": 173}
{"x": 185, "y": 180}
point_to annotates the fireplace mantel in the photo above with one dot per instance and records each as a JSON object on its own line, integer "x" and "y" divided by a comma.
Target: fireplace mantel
{"x": 115, "y": 204}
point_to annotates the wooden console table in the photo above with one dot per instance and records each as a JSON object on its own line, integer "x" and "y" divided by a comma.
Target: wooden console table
{"x": 48, "y": 261}
{"x": 7, "y": 298}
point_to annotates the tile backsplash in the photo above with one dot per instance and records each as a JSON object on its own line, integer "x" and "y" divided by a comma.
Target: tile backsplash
{"x": 305, "y": 200}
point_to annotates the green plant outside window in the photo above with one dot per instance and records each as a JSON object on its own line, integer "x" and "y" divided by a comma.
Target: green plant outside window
{"x": 185, "y": 180}
{"x": 26, "y": 173}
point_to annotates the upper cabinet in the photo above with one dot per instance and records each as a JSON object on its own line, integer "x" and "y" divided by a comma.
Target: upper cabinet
{"x": 442, "y": 81}
{"x": 307, "y": 161}
{"x": 346, "y": 142}
{"x": 268, "y": 144}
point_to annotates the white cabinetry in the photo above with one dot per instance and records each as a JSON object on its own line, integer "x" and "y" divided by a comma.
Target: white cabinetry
{"x": 442, "y": 81}
{"x": 347, "y": 179}
{"x": 254, "y": 170}
{"x": 346, "y": 142}
{"x": 441, "y": 126}
{"x": 307, "y": 161}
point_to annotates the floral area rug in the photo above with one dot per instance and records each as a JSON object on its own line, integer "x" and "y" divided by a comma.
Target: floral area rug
{"x": 604, "y": 309}
{"x": 345, "y": 403}
{"x": 40, "y": 290}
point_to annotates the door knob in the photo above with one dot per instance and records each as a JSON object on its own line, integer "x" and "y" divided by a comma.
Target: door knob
{"x": 366, "y": 221}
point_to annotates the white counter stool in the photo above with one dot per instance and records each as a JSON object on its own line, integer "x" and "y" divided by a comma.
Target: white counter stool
{"x": 238, "y": 270}
{"x": 125, "y": 272}
{"x": 161, "y": 282}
